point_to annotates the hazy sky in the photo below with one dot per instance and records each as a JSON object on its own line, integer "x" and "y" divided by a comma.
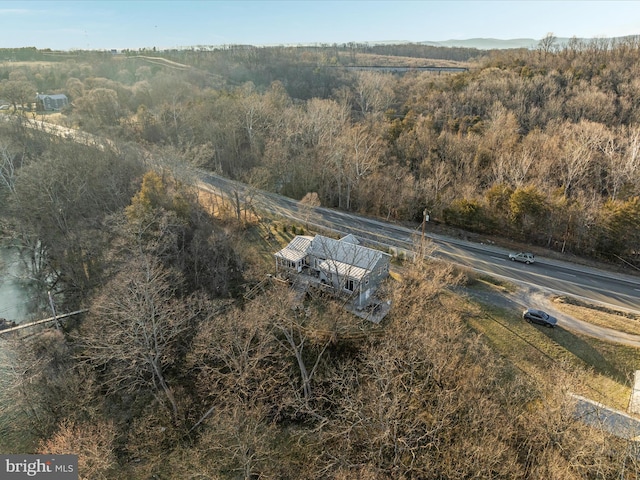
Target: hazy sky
{"x": 86, "y": 24}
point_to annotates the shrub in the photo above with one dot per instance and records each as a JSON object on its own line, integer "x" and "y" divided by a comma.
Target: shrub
{"x": 467, "y": 214}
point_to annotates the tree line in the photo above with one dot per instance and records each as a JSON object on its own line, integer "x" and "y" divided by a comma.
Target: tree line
{"x": 173, "y": 373}
{"x": 537, "y": 145}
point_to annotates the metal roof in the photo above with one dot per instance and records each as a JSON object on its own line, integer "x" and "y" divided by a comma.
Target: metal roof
{"x": 300, "y": 243}
{"x": 343, "y": 269}
{"x": 296, "y": 250}
{"x": 291, "y": 255}
{"x": 55, "y": 96}
{"x": 345, "y": 252}
{"x": 344, "y": 257}
{"x": 351, "y": 239}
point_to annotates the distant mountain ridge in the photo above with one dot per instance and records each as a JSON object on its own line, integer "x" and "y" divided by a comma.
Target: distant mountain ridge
{"x": 499, "y": 44}
{"x": 488, "y": 43}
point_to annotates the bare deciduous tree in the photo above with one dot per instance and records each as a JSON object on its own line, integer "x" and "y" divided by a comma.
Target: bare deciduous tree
{"x": 548, "y": 44}
{"x": 307, "y": 204}
{"x": 134, "y": 330}
{"x": 360, "y": 155}
{"x": 18, "y": 92}
{"x": 581, "y": 144}
{"x": 621, "y": 152}
{"x": 10, "y": 163}
{"x": 240, "y": 438}
{"x": 93, "y": 443}
{"x": 58, "y": 206}
{"x": 374, "y": 92}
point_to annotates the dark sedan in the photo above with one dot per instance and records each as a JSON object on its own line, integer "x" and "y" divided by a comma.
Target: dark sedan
{"x": 539, "y": 317}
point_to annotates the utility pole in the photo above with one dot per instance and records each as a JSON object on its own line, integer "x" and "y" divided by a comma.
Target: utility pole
{"x": 425, "y": 219}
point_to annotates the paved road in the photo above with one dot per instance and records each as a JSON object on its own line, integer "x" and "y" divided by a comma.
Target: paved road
{"x": 590, "y": 284}
{"x": 608, "y": 419}
{"x": 560, "y": 277}
{"x": 616, "y": 290}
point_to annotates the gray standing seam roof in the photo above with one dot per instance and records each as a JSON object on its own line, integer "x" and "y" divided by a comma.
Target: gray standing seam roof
{"x": 296, "y": 250}
{"x": 345, "y": 252}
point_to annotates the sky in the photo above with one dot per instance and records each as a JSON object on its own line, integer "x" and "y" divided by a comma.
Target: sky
{"x": 119, "y": 24}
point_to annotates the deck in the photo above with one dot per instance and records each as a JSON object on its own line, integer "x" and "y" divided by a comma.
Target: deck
{"x": 300, "y": 283}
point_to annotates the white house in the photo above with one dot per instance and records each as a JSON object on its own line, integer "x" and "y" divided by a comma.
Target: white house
{"x": 344, "y": 264}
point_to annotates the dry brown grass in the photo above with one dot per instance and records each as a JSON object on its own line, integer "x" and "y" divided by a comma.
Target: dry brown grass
{"x": 605, "y": 369}
{"x": 257, "y": 237}
{"x": 28, "y": 63}
{"x": 601, "y": 316}
{"x": 375, "y": 59}
{"x": 215, "y": 205}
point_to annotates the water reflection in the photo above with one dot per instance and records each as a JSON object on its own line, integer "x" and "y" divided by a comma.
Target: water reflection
{"x": 16, "y": 302}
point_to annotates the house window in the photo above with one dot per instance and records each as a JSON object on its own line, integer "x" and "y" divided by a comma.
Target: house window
{"x": 285, "y": 263}
{"x": 349, "y": 285}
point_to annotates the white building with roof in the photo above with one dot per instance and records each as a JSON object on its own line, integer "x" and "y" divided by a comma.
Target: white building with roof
{"x": 295, "y": 255}
{"x": 51, "y": 103}
{"x": 344, "y": 264}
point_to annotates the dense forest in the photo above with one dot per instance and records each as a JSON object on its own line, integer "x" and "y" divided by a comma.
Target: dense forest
{"x": 174, "y": 373}
{"x": 535, "y": 145}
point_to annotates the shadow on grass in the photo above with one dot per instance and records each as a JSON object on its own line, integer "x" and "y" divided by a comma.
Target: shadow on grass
{"x": 585, "y": 352}
{"x": 609, "y": 360}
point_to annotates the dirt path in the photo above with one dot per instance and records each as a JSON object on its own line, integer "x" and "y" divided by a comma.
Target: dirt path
{"x": 527, "y": 297}
{"x": 163, "y": 61}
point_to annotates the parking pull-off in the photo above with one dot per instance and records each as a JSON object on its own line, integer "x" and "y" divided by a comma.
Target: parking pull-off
{"x": 539, "y": 317}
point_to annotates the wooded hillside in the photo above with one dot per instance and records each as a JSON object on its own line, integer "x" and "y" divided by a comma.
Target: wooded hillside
{"x": 536, "y": 145}
{"x": 174, "y": 373}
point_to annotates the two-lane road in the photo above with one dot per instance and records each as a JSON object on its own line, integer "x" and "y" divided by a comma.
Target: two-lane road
{"x": 595, "y": 285}
{"x": 616, "y": 290}
{"x": 556, "y": 276}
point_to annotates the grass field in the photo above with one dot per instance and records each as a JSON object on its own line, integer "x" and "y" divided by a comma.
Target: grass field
{"x": 606, "y": 369}
{"x": 601, "y": 316}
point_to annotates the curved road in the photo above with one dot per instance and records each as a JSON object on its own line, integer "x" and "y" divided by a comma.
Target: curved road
{"x": 593, "y": 285}
{"x": 620, "y": 291}
{"x": 590, "y": 284}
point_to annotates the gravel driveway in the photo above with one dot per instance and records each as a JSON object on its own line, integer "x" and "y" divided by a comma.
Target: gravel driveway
{"x": 525, "y": 297}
